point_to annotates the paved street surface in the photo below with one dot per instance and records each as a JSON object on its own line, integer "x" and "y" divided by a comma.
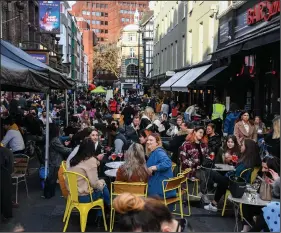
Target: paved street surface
{"x": 37, "y": 214}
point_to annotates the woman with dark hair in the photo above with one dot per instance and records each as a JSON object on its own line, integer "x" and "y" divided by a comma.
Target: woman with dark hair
{"x": 57, "y": 153}
{"x": 229, "y": 148}
{"x": 249, "y": 159}
{"x": 244, "y": 128}
{"x": 86, "y": 164}
{"x": 271, "y": 175}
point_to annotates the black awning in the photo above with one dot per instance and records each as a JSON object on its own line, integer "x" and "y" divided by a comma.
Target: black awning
{"x": 210, "y": 75}
{"x": 259, "y": 37}
{"x": 272, "y": 37}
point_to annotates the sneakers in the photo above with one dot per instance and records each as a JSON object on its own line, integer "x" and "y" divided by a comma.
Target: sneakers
{"x": 210, "y": 207}
{"x": 205, "y": 199}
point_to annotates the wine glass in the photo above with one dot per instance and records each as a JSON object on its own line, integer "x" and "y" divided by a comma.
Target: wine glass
{"x": 113, "y": 156}
{"x": 234, "y": 158}
{"x": 120, "y": 155}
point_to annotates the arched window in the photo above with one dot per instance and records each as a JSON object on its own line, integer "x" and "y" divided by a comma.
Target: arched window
{"x": 132, "y": 70}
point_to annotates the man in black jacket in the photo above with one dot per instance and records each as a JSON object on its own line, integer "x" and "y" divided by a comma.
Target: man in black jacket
{"x": 132, "y": 131}
{"x": 128, "y": 113}
{"x": 214, "y": 139}
{"x": 177, "y": 141}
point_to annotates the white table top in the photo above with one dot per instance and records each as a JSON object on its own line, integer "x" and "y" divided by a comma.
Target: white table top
{"x": 114, "y": 165}
{"x": 224, "y": 167}
{"x": 221, "y": 167}
{"x": 111, "y": 172}
{"x": 245, "y": 200}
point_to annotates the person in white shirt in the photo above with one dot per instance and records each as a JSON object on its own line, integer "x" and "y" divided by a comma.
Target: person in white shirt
{"x": 43, "y": 118}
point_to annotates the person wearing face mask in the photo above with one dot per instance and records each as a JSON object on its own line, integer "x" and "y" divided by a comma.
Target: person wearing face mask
{"x": 244, "y": 129}
{"x": 250, "y": 158}
{"x": 229, "y": 148}
{"x": 159, "y": 167}
{"x": 145, "y": 215}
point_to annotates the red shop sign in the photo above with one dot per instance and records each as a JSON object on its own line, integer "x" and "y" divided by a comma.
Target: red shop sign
{"x": 263, "y": 11}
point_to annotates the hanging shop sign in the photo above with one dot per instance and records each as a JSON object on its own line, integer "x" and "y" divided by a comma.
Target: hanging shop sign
{"x": 263, "y": 11}
{"x": 49, "y": 16}
{"x": 40, "y": 56}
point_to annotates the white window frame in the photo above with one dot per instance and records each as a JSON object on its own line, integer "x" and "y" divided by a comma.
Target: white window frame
{"x": 189, "y": 49}
{"x": 211, "y": 33}
{"x": 201, "y": 41}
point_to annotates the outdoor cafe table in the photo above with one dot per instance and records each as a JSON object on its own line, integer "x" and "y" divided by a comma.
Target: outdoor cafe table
{"x": 111, "y": 173}
{"x": 115, "y": 165}
{"x": 244, "y": 200}
{"x": 218, "y": 167}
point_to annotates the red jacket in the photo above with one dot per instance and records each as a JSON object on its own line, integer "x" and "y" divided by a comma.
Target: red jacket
{"x": 113, "y": 106}
{"x": 189, "y": 156}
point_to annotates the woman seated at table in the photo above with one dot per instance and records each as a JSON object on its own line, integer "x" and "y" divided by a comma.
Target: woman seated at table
{"x": 192, "y": 153}
{"x": 249, "y": 159}
{"x": 86, "y": 164}
{"x": 159, "y": 167}
{"x": 230, "y": 147}
{"x": 134, "y": 169}
{"x": 271, "y": 175}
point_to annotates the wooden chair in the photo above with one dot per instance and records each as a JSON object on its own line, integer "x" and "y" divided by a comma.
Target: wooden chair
{"x": 21, "y": 162}
{"x": 83, "y": 208}
{"x": 117, "y": 188}
{"x": 170, "y": 185}
{"x": 184, "y": 187}
{"x": 254, "y": 175}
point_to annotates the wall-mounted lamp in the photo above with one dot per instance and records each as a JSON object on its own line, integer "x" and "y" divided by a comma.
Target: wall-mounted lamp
{"x": 194, "y": 91}
{"x": 209, "y": 91}
{"x": 201, "y": 91}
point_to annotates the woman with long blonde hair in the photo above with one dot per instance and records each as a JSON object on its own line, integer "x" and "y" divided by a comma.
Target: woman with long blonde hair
{"x": 134, "y": 169}
{"x": 273, "y": 139}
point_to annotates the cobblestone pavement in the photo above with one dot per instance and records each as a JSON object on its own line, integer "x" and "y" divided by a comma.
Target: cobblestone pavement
{"x": 37, "y": 214}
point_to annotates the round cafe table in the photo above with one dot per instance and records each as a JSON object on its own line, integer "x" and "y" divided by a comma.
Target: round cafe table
{"x": 111, "y": 172}
{"x": 115, "y": 165}
{"x": 244, "y": 200}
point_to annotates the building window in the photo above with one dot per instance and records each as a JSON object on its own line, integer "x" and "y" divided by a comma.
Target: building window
{"x": 132, "y": 52}
{"x": 84, "y": 12}
{"x": 183, "y": 51}
{"x": 132, "y": 70}
{"x": 88, "y": 13}
{"x": 97, "y": 5}
{"x": 105, "y": 14}
{"x": 102, "y": 31}
{"x": 211, "y": 33}
{"x": 106, "y": 22}
{"x": 176, "y": 55}
{"x": 184, "y": 9}
{"x": 89, "y": 4}
{"x": 102, "y": 22}
{"x": 172, "y": 54}
{"x": 130, "y": 36}
{"x": 106, "y": 31}
{"x": 189, "y": 49}
{"x": 201, "y": 41}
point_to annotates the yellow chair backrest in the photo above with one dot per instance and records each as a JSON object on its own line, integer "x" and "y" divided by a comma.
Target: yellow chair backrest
{"x": 254, "y": 174}
{"x": 172, "y": 183}
{"x": 185, "y": 172}
{"x": 137, "y": 188}
{"x": 173, "y": 166}
{"x": 63, "y": 165}
{"x": 72, "y": 178}
{"x": 244, "y": 171}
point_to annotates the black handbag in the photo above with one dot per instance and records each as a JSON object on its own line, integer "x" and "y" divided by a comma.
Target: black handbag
{"x": 208, "y": 163}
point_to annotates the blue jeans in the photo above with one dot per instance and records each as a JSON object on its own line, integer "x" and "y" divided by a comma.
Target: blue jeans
{"x": 104, "y": 194}
{"x": 186, "y": 117}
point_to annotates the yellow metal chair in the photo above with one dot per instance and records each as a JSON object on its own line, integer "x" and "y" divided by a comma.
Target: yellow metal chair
{"x": 184, "y": 187}
{"x": 254, "y": 175}
{"x": 173, "y": 166}
{"x": 83, "y": 208}
{"x": 174, "y": 184}
{"x": 63, "y": 188}
{"x": 117, "y": 188}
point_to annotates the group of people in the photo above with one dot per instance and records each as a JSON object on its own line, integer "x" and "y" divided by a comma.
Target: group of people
{"x": 139, "y": 130}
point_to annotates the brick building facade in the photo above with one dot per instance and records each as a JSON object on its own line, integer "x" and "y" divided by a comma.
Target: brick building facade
{"x": 107, "y": 18}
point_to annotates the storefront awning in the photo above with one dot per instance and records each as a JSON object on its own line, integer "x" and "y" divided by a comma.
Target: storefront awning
{"x": 166, "y": 86}
{"x": 210, "y": 75}
{"x": 189, "y": 77}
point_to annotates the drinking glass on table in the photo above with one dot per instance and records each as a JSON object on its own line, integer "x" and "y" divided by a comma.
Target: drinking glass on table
{"x": 120, "y": 155}
{"x": 113, "y": 156}
{"x": 212, "y": 156}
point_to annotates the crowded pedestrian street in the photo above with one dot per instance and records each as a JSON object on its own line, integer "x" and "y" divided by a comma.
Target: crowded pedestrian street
{"x": 140, "y": 116}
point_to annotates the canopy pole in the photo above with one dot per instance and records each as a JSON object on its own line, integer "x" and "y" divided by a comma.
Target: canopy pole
{"x": 47, "y": 135}
{"x": 74, "y": 100}
{"x": 66, "y": 108}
